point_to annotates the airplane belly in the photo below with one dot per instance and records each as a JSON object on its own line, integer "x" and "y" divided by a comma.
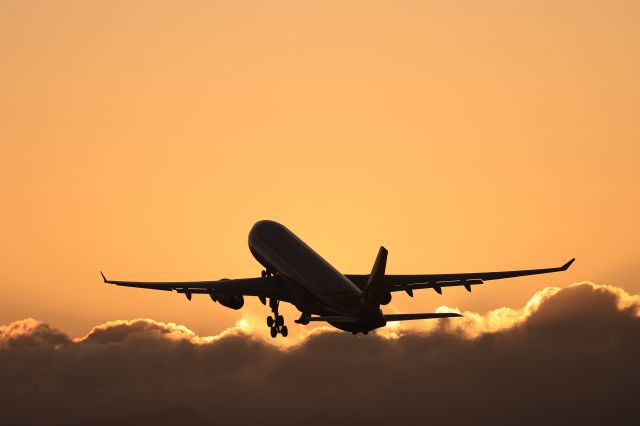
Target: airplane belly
{"x": 284, "y": 252}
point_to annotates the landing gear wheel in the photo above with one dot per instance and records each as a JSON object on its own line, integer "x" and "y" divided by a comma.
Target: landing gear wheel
{"x": 276, "y": 322}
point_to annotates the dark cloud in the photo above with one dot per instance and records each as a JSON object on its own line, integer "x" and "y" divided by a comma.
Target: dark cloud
{"x": 31, "y": 334}
{"x": 569, "y": 358}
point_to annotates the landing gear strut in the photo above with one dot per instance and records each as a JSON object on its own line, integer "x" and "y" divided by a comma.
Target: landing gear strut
{"x": 276, "y": 322}
{"x": 267, "y": 273}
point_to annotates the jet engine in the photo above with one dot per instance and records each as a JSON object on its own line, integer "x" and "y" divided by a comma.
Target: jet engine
{"x": 233, "y": 301}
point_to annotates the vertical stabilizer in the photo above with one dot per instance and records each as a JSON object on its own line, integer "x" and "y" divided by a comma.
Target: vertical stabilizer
{"x": 379, "y": 267}
{"x": 374, "y": 292}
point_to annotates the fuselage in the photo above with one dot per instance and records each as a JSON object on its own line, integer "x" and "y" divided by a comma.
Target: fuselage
{"x": 317, "y": 286}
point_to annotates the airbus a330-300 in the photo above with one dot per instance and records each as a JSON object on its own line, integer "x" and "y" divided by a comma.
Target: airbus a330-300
{"x": 294, "y": 273}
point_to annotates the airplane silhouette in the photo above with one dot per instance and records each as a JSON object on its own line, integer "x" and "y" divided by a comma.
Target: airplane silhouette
{"x": 294, "y": 273}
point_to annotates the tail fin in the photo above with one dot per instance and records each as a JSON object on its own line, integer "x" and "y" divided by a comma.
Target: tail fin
{"x": 407, "y": 317}
{"x": 379, "y": 267}
{"x": 374, "y": 292}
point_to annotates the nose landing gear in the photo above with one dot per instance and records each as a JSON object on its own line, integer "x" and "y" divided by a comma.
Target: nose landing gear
{"x": 276, "y": 322}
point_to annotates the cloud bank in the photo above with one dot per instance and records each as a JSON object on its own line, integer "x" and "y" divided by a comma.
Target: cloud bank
{"x": 569, "y": 356}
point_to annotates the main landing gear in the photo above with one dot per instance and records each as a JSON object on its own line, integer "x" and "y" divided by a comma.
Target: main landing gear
{"x": 276, "y": 322}
{"x": 267, "y": 273}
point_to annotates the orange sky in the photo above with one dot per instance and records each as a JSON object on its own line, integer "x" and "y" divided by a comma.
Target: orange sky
{"x": 145, "y": 139}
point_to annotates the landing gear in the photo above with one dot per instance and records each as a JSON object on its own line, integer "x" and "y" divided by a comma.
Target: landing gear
{"x": 276, "y": 322}
{"x": 267, "y": 273}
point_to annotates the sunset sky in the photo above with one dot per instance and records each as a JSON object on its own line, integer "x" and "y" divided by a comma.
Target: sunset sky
{"x": 145, "y": 138}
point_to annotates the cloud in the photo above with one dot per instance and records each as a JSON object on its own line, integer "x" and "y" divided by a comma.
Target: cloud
{"x": 568, "y": 356}
{"x": 31, "y": 334}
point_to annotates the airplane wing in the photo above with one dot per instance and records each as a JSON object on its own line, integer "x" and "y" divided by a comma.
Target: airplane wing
{"x": 272, "y": 287}
{"x": 409, "y": 283}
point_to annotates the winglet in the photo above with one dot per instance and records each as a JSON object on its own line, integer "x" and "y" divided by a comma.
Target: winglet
{"x": 566, "y": 265}
{"x": 103, "y": 277}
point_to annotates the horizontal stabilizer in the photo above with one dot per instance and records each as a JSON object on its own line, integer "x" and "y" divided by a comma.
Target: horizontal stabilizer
{"x": 336, "y": 318}
{"x": 387, "y": 317}
{"x": 432, "y": 315}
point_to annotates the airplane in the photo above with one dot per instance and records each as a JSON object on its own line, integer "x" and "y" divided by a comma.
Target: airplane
{"x": 294, "y": 273}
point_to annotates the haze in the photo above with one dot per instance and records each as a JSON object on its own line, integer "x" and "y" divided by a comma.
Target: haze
{"x": 145, "y": 139}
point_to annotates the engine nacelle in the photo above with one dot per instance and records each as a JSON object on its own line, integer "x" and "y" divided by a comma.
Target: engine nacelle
{"x": 385, "y": 298}
{"x": 233, "y": 301}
